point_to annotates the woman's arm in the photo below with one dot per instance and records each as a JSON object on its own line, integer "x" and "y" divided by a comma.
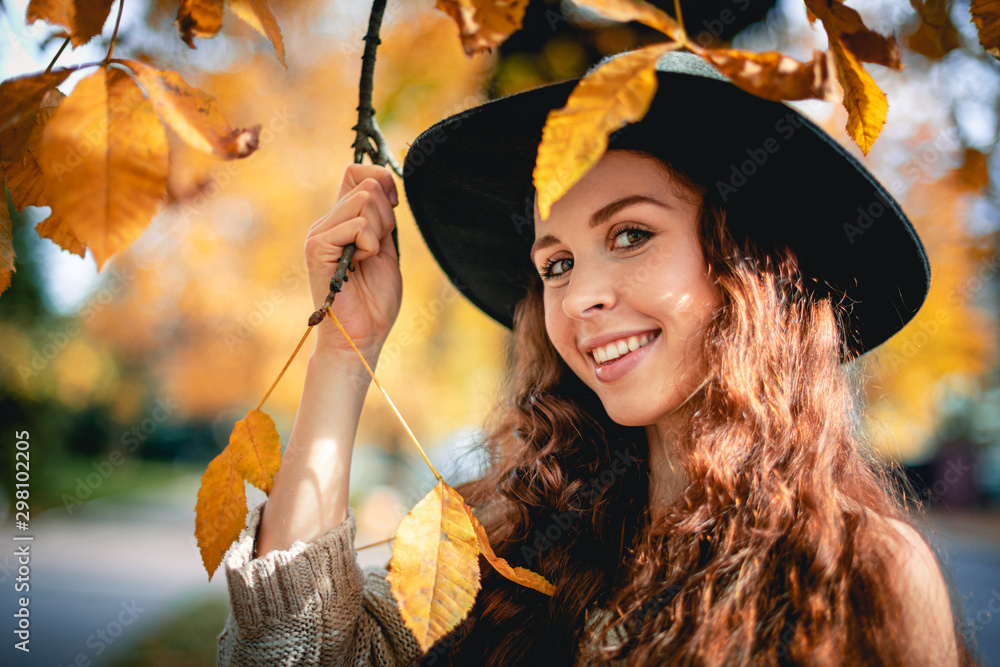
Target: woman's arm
{"x": 309, "y": 495}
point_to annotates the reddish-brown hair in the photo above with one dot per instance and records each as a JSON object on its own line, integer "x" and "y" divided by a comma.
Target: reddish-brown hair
{"x": 769, "y": 556}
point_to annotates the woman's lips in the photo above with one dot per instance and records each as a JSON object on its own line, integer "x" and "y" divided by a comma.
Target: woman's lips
{"x": 617, "y": 369}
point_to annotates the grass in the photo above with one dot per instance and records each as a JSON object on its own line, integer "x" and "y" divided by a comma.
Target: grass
{"x": 186, "y": 638}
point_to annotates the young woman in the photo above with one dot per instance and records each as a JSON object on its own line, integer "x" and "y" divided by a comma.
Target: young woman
{"x": 680, "y": 451}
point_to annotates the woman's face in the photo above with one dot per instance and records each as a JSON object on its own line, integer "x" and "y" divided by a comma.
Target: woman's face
{"x": 622, "y": 265}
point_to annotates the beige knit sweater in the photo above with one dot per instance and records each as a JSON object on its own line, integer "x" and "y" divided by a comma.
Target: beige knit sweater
{"x": 314, "y": 605}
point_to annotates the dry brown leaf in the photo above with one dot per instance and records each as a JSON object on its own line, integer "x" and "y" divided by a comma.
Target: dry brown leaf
{"x": 59, "y": 232}
{"x": 935, "y": 34}
{"x": 193, "y": 114}
{"x": 986, "y": 15}
{"x": 484, "y": 24}
{"x": 434, "y": 570}
{"x": 221, "y": 510}
{"x": 104, "y": 156}
{"x": 845, "y": 25}
{"x": 575, "y": 136}
{"x": 635, "y": 10}
{"x": 7, "y": 254}
{"x": 775, "y": 76}
{"x": 519, "y": 575}
{"x": 83, "y": 18}
{"x": 865, "y": 102}
{"x": 20, "y": 97}
{"x": 256, "y": 449}
{"x": 258, "y": 15}
{"x": 199, "y": 18}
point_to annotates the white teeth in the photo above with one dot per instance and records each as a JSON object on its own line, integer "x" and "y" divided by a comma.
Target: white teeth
{"x": 620, "y": 347}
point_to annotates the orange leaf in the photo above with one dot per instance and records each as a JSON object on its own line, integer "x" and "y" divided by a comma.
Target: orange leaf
{"x": 221, "y": 510}
{"x": 484, "y": 24}
{"x": 575, "y": 137}
{"x": 635, "y": 10}
{"x": 60, "y": 233}
{"x": 198, "y": 18}
{"x": 986, "y": 14}
{"x": 20, "y": 97}
{"x": 845, "y": 25}
{"x": 775, "y": 76}
{"x": 193, "y": 114}
{"x": 935, "y": 34}
{"x": 104, "y": 156}
{"x": 19, "y": 153}
{"x": 519, "y": 575}
{"x": 7, "y": 254}
{"x": 258, "y": 15}
{"x": 434, "y": 570}
{"x": 83, "y": 18}
{"x": 864, "y": 100}
{"x": 256, "y": 449}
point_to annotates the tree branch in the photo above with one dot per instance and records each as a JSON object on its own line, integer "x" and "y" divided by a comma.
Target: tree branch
{"x": 368, "y": 141}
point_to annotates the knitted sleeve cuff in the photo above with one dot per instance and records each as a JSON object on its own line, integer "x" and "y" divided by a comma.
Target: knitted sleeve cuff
{"x": 314, "y": 578}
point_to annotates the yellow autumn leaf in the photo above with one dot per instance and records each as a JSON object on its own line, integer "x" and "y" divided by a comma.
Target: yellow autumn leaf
{"x": 257, "y": 14}
{"x": 83, "y": 18}
{"x": 845, "y": 24}
{"x": 19, "y": 149}
{"x": 193, "y": 114}
{"x": 59, "y": 232}
{"x": 575, "y": 136}
{"x": 221, "y": 510}
{"x": 256, "y": 449}
{"x": 775, "y": 76}
{"x": 519, "y": 575}
{"x": 484, "y": 24}
{"x": 635, "y": 10}
{"x": 198, "y": 18}
{"x": 104, "y": 156}
{"x": 434, "y": 570}
{"x": 20, "y": 97}
{"x": 7, "y": 255}
{"x": 986, "y": 15}
{"x": 865, "y": 102}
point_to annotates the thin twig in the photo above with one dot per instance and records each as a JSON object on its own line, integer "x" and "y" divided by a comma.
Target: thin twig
{"x": 58, "y": 53}
{"x": 367, "y": 131}
{"x": 114, "y": 35}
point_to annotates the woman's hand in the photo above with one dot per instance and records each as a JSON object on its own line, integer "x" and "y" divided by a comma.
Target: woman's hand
{"x": 369, "y": 302}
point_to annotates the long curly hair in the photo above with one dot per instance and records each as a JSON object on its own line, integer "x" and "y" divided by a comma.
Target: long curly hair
{"x": 769, "y": 556}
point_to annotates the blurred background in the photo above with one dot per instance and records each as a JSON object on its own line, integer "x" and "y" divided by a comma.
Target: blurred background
{"x": 129, "y": 381}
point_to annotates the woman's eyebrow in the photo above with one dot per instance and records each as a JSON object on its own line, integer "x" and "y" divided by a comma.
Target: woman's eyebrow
{"x": 599, "y": 217}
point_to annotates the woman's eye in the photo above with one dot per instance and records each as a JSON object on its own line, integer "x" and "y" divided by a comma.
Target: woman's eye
{"x": 630, "y": 238}
{"x": 549, "y": 271}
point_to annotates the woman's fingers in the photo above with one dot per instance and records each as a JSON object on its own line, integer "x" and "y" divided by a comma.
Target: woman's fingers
{"x": 367, "y": 200}
{"x": 356, "y": 173}
{"x": 327, "y": 246}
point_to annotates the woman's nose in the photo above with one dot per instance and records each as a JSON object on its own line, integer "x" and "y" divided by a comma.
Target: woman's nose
{"x": 588, "y": 294}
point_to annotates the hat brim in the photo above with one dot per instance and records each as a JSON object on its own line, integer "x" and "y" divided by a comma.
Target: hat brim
{"x": 468, "y": 181}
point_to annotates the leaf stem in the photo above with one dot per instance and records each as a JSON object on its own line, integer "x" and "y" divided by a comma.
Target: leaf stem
{"x": 56, "y": 57}
{"x": 375, "y": 544}
{"x": 391, "y": 404}
{"x": 680, "y": 22}
{"x": 114, "y": 35}
{"x": 287, "y": 364}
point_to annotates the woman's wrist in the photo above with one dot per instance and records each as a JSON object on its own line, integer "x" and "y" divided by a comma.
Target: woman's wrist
{"x": 344, "y": 360}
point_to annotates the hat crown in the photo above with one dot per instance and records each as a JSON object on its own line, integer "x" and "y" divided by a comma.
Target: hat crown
{"x": 677, "y": 62}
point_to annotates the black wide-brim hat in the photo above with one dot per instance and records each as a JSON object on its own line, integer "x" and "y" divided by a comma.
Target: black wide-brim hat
{"x": 782, "y": 179}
